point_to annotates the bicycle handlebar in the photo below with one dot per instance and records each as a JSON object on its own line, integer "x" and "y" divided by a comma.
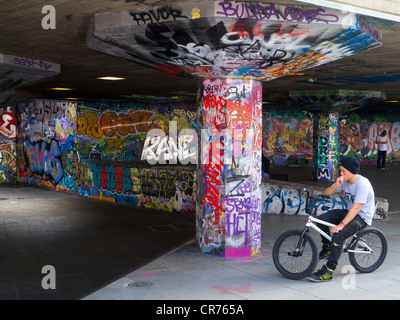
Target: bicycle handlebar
{"x": 309, "y": 207}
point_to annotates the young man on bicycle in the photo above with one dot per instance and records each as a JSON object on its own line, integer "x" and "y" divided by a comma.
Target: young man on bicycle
{"x": 360, "y": 207}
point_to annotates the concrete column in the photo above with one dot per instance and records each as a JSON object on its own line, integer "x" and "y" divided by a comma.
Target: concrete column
{"x": 325, "y": 142}
{"x": 228, "y": 201}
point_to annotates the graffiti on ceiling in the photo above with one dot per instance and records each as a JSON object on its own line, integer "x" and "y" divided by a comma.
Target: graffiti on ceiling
{"x": 221, "y": 39}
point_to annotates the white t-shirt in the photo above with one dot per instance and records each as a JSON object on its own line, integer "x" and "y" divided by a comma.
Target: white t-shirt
{"x": 382, "y": 147}
{"x": 360, "y": 191}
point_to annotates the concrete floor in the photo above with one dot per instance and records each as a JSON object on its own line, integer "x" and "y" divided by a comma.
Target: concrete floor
{"x": 102, "y": 250}
{"x": 186, "y": 274}
{"x": 89, "y": 242}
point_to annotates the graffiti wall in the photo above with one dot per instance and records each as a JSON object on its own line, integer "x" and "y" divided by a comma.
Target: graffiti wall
{"x": 163, "y": 189}
{"x": 228, "y": 199}
{"x": 117, "y": 131}
{"x": 8, "y": 135}
{"x": 94, "y": 149}
{"x": 287, "y": 136}
{"x": 46, "y": 137}
{"x": 290, "y": 198}
{"x": 359, "y": 130}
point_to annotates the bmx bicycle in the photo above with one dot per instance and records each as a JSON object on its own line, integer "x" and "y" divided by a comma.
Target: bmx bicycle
{"x": 295, "y": 252}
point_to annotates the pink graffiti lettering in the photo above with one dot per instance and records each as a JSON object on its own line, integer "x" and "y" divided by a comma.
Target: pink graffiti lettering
{"x": 393, "y": 136}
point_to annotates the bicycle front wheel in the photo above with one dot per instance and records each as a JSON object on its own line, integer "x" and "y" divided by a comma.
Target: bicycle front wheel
{"x": 369, "y": 251}
{"x": 295, "y": 255}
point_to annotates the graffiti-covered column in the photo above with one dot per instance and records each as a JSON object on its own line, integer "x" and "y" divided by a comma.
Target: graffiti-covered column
{"x": 325, "y": 142}
{"x": 228, "y": 201}
{"x": 326, "y": 105}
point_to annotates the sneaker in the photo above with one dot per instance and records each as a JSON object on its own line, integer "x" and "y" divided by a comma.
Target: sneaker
{"x": 325, "y": 253}
{"x": 323, "y": 275}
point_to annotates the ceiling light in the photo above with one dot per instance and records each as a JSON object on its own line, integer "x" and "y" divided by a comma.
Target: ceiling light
{"x": 110, "y": 78}
{"x": 61, "y": 89}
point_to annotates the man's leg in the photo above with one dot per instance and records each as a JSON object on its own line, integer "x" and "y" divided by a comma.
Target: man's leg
{"x": 333, "y": 216}
{"x": 339, "y": 238}
{"x": 326, "y": 274}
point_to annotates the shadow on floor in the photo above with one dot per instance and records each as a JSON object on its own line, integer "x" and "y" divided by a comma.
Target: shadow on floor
{"x": 90, "y": 243}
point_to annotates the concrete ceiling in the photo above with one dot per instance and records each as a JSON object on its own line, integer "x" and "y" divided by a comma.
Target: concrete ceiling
{"x": 22, "y": 35}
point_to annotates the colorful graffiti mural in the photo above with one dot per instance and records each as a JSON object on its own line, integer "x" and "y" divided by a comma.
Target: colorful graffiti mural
{"x": 358, "y": 133}
{"x": 165, "y": 189}
{"x": 287, "y": 136}
{"x": 117, "y": 131}
{"x": 46, "y": 129}
{"x": 91, "y": 150}
{"x": 8, "y": 135}
{"x": 44, "y": 158}
{"x": 62, "y": 146}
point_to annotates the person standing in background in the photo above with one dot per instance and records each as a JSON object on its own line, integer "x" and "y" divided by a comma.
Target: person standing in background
{"x": 381, "y": 141}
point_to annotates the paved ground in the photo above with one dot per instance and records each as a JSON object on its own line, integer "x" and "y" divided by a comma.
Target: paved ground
{"x": 89, "y": 242}
{"x": 186, "y": 274}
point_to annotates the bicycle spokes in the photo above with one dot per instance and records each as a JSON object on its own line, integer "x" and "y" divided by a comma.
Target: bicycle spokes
{"x": 368, "y": 251}
{"x": 295, "y": 254}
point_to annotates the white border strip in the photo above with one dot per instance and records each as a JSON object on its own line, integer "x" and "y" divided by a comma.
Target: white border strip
{"x": 345, "y": 7}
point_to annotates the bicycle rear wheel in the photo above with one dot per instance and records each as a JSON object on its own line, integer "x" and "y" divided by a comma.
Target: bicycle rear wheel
{"x": 362, "y": 259}
{"x": 295, "y": 255}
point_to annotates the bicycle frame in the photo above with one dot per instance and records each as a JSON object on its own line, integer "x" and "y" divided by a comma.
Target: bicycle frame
{"x": 310, "y": 224}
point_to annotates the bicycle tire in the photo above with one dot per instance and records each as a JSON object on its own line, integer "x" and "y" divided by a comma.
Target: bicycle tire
{"x": 300, "y": 266}
{"x": 376, "y": 240}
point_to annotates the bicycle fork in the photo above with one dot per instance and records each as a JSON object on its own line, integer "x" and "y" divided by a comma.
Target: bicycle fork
{"x": 302, "y": 240}
{"x": 301, "y": 243}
